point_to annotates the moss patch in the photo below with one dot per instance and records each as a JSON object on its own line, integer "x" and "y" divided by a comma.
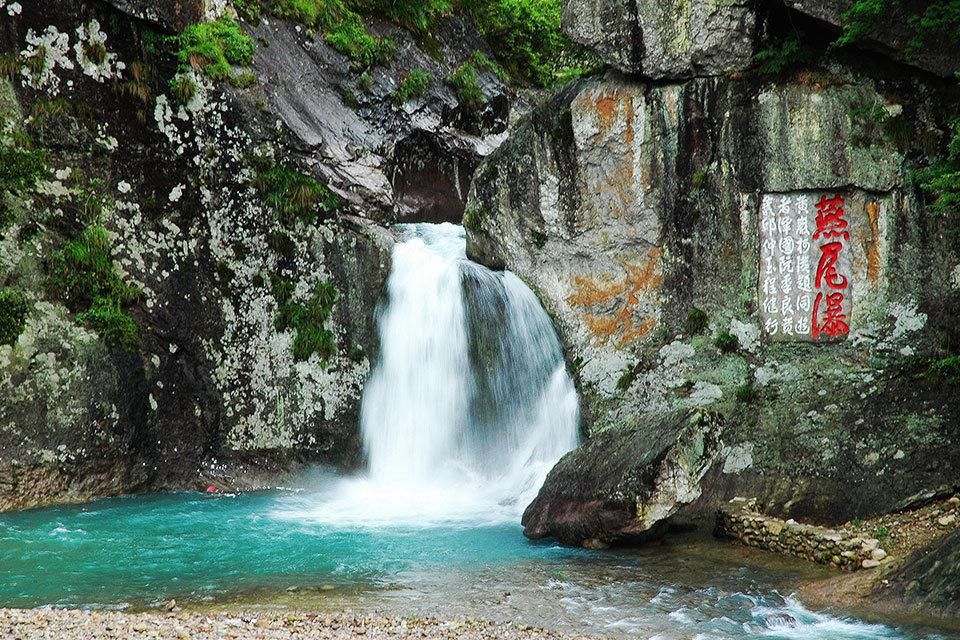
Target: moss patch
{"x": 465, "y": 82}
{"x": 214, "y": 47}
{"x": 413, "y": 85}
{"x": 292, "y": 195}
{"x": 307, "y": 319}
{"x": 84, "y": 277}
{"x": 13, "y": 315}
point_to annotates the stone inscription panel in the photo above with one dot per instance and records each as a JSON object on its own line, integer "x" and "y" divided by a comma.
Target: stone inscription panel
{"x": 806, "y": 264}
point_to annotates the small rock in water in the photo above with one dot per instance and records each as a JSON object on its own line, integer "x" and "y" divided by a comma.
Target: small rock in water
{"x": 870, "y": 563}
{"x": 170, "y": 606}
{"x": 595, "y": 543}
{"x": 780, "y": 620}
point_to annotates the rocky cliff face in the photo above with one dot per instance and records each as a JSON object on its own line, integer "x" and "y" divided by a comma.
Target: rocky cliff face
{"x": 685, "y": 237}
{"x": 930, "y": 578}
{"x": 253, "y": 319}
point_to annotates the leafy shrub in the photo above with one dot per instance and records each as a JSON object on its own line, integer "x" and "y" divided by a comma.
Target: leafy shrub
{"x": 412, "y": 86}
{"x": 746, "y": 394}
{"x": 313, "y": 13}
{"x": 782, "y": 57}
{"x": 13, "y": 315}
{"x": 465, "y": 82}
{"x": 928, "y": 19}
{"x": 942, "y": 179}
{"x": 482, "y": 61}
{"x": 214, "y": 47}
{"x": 293, "y": 195}
{"x": 947, "y": 369}
{"x": 84, "y": 276}
{"x": 529, "y": 40}
{"x": 342, "y": 27}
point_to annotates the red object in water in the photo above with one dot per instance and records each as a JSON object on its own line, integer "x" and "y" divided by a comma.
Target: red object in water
{"x": 211, "y": 489}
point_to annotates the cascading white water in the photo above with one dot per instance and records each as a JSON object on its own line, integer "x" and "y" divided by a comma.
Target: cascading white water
{"x": 469, "y": 405}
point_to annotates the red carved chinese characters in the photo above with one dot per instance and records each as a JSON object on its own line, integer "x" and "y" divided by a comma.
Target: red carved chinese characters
{"x": 828, "y": 317}
{"x": 834, "y": 320}
{"x": 830, "y": 221}
{"x": 827, "y": 267}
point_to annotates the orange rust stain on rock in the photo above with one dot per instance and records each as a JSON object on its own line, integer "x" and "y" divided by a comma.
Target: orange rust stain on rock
{"x": 607, "y": 110}
{"x": 628, "y": 113}
{"x": 873, "y": 244}
{"x": 627, "y": 322}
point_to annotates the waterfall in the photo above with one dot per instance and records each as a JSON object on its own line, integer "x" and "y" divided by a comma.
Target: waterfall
{"x": 469, "y": 404}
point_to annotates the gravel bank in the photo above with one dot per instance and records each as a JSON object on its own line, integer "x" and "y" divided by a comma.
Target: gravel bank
{"x": 67, "y": 624}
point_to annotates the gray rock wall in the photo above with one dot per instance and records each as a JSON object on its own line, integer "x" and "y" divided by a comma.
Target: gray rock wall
{"x": 634, "y": 211}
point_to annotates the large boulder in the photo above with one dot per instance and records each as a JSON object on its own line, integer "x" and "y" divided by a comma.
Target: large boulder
{"x": 622, "y": 486}
{"x": 890, "y": 36}
{"x": 929, "y": 579}
{"x": 665, "y": 38}
{"x": 663, "y": 225}
{"x": 173, "y": 15}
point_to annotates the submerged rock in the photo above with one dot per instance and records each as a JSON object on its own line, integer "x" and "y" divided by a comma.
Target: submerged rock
{"x": 624, "y": 485}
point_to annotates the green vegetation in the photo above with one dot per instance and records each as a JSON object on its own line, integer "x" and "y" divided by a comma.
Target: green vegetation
{"x": 342, "y": 28}
{"x": 293, "y": 195}
{"x": 474, "y": 219}
{"x": 726, "y": 342}
{"x": 465, "y": 82}
{"x": 413, "y": 85}
{"x": 880, "y": 532}
{"x": 481, "y": 61}
{"x": 697, "y": 322}
{"x": 746, "y": 394}
{"x": 214, "y": 47}
{"x": 306, "y": 319}
{"x": 13, "y": 315}
{"x": 84, "y": 276}
{"x": 249, "y": 10}
{"x": 529, "y": 39}
{"x": 782, "y": 57}
{"x": 21, "y": 167}
{"x": 349, "y": 36}
{"x": 928, "y": 19}
{"x": 942, "y": 179}
{"x": 947, "y": 369}
{"x": 418, "y": 16}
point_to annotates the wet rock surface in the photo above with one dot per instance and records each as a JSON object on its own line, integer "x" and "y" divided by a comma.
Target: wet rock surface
{"x": 623, "y": 486}
{"x": 930, "y": 578}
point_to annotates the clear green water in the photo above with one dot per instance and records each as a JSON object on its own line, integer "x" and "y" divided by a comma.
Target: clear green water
{"x": 253, "y": 550}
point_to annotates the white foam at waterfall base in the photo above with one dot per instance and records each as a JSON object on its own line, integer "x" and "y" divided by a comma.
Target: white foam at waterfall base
{"x": 469, "y": 405}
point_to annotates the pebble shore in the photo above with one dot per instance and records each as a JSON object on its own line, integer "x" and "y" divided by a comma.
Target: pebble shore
{"x": 70, "y": 624}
